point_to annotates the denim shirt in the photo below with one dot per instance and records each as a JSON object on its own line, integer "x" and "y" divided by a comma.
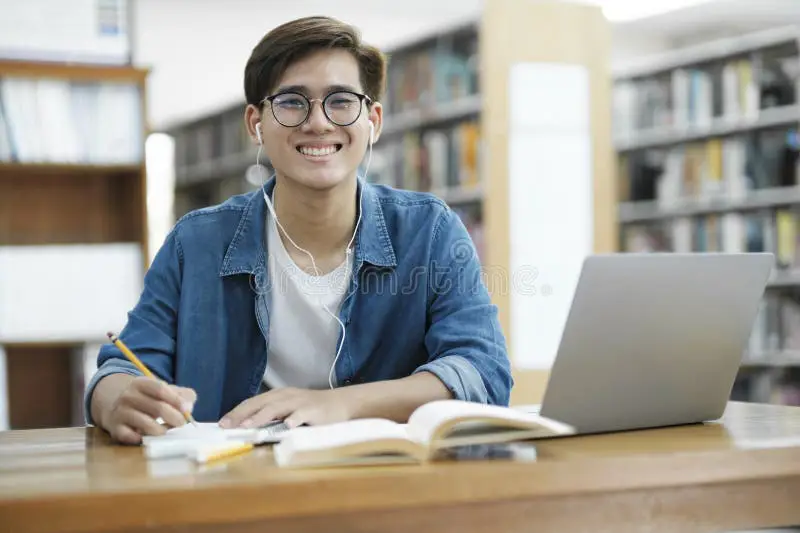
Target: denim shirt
{"x": 417, "y": 302}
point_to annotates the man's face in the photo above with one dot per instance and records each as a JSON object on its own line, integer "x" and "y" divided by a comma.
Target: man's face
{"x": 318, "y": 153}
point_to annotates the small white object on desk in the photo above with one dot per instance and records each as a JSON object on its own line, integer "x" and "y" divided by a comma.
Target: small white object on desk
{"x": 194, "y": 441}
{"x": 166, "y": 448}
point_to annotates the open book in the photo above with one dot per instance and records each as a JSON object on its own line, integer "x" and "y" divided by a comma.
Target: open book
{"x": 432, "y": 427}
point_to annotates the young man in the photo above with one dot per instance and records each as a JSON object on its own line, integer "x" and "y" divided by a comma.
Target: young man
{"x": 318, "y": 298}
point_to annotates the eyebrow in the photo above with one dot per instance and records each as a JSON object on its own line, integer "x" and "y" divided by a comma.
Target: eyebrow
{"x": 303, "y": 89}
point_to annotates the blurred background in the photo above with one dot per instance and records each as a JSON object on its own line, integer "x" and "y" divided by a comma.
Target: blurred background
{"x": 117, "y": 117}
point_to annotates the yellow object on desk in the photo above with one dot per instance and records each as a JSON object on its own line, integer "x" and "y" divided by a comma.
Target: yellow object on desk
{"x": 146, "y": 371}
{"x": 221, "y": 450}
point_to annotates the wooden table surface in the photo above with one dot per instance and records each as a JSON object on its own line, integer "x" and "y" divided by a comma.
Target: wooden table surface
{"x": 741, "y": 472}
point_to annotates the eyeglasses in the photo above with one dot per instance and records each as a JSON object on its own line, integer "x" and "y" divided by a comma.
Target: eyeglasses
{"x": 342, "y": 108}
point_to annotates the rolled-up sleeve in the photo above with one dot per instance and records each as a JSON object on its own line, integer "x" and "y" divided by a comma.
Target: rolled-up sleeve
{"x": 151, "y": 328}
{"x": 112, "y": 366}
{"x": 466, "y": 346}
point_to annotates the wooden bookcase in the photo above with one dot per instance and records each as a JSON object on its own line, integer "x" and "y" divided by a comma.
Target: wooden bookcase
{"x": 450, "y": 129}
{"x": 708, "y": 142}
{"x": 73, "y": 225}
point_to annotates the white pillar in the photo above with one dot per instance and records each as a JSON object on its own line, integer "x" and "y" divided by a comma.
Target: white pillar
{"x": 550, "y": 202}
{"x": 4, "y": 415}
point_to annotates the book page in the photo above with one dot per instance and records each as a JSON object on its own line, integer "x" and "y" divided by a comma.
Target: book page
{"x": 343, "y": 434}
{"x": 424, "y": 422}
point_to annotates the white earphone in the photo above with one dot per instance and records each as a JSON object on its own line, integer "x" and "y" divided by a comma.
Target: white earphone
{"x": 348, "y": 250}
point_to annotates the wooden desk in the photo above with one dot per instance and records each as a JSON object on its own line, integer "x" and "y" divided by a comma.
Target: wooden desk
{"x": 741, "y": 472}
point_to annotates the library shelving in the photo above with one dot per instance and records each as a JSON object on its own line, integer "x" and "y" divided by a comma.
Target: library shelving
{"x": 470, "y": 116}
{"x": 707, "y": 143}
{"x": 73, "y": 228}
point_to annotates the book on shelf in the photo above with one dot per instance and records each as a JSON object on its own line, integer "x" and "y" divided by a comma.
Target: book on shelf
{"x": 433, "y": 427}
{"x": 713, "y": 171}
{"x": 48, "y": 120}
{"x": 435, "y": 159}
{"x": 439, "y": 70}
{"x": 697, "y": 97}
{"x": 730, "y": 195}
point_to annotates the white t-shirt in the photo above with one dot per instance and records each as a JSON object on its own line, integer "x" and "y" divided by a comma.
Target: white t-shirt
{"x": 303, "y": 336}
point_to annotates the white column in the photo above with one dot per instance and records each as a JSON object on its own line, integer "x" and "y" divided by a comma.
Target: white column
{"x": 4, "y": 416}
{"x": 550, "y": 201}
{"x": 84, "y": 367}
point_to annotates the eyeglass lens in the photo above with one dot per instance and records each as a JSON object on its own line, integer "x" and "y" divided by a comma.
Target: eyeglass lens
{"x": 292, "y": 109}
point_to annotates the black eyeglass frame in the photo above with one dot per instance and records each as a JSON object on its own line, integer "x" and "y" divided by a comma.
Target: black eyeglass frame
{"x": 310, "y": 102}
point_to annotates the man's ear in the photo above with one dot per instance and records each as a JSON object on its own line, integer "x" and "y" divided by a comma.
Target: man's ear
{"x": 252, "y": 118}
{"x": 376, "y": 117}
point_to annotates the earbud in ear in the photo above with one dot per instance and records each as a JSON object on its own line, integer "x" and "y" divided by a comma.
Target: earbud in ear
{"x": 371, "y": 132}
{"x": 258, "y": 132}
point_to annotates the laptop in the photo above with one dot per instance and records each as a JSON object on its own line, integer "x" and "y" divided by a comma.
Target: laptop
{"x": 654, "y": 340}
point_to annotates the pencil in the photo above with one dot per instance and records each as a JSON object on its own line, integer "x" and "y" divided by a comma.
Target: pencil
{"x": 146, "y": 371}
{"x": 223, "y": 451}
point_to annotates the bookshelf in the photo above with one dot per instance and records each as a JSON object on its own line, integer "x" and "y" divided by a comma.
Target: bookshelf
{"x": 708, "y": 151}
{"x": 73, "y": 227}
{"x": 467, "y": 115}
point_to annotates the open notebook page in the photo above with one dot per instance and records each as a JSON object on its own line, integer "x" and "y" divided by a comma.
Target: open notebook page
{"x": 344, "y": 433}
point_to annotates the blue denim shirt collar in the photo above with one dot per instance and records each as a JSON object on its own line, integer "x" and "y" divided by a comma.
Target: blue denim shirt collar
{"x": 246, "y": 252}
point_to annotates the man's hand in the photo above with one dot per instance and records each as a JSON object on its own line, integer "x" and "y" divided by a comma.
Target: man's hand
{"x": 392, "y": 399}
{"x": 132, "y": 405}
{"x": 293, "y": 406}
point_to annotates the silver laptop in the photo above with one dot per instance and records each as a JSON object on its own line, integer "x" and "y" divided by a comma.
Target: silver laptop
{"x": 654, "y": 340}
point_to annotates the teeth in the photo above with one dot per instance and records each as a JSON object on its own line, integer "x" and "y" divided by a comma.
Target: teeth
{"x": 317, "y": 150}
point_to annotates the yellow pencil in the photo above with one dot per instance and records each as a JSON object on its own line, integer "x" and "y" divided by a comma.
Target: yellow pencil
{"x": 224, "y": 451}
{"x": 146, "y": 371}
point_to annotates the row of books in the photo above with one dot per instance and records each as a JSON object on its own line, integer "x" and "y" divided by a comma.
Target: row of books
{"x": 443, "y": 71}
{"x": 430, "y": 160}
{"x": 213, "y": 138}
{"x": 782, "y": 389}
{"x": 777, "y": 327}
{"x": 786, "y": 391}
{"x": 59, "y": 121}
{"x": 774, "y": 344}
{"x": 694, "y": 96}
{"x": 719, "y": 168}
{"x": 766, "y": 230}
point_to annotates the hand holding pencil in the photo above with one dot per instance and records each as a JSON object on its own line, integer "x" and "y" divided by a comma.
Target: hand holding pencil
{"x": 128, "y": 407}
{"x": 146, "y": 371}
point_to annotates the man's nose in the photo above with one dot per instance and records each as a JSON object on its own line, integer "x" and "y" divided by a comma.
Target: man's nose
{"x": 316, "y": 117}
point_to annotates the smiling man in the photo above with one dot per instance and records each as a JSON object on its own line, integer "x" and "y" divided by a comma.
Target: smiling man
{"x": 319, "y": 297}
